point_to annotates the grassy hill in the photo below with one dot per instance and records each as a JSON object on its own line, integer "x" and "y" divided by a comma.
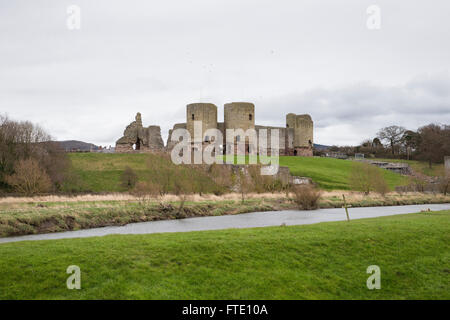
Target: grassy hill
{"x": 101, "y": 172}
{"x": 321, "y": 261}
{"x": 330, "y": 173}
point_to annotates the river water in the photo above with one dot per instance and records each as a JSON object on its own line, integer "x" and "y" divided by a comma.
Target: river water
{"x": 246, "y": 220}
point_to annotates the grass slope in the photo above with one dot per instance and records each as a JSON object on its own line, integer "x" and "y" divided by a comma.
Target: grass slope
{"x": 321, "y": 261}
{"x": 101, "y": 172}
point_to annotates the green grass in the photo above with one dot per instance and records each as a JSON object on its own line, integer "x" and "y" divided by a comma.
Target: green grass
{"x": 321, "y": 261}
{"x": 101, "y": 172}
{"x": 332, "y": 174}
{"x": 98, "y": 172}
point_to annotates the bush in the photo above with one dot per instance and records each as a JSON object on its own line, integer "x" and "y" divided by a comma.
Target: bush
{"x": 444, "y": 184}
{"x": 306, "y": 197}
{"x": 146, "y": 190}
{"x": 365, "y": 177}
{"x": 29, "y": 178}
{"x": 128, "y": 178}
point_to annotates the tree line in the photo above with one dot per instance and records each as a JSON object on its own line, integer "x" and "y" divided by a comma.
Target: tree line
{"x": 30, "y": 162}
{"x": 429, "y": 143}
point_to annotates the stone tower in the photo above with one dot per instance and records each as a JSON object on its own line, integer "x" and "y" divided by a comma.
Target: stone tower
{"x": 205, "y": 112}
{"x": 239, "y": 115}
{"x": 303, "y": 135}
{"x": 290, "y": 120}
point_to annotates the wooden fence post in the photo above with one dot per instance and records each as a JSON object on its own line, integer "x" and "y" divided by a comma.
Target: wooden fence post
{"x": 345, "y": 206}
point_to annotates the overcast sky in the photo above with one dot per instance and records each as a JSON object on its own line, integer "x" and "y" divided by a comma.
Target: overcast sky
{"x": 316, "y": 57}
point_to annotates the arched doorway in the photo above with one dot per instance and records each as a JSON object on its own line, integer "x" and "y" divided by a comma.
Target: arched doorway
{"x": 137, "y": 145}
{"x": 295, "y": 152}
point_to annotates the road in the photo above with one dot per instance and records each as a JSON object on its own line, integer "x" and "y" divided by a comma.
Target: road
{"x": 246, "y": 220}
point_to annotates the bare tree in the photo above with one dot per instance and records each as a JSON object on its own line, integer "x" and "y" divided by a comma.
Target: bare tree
{"x": 182, "y": 188}
{"x": 29, "y": 178}
{"x": 410, "y": 140}
{"x": 391, "y": 134}
{"x": 24, "y": 140}
{"x": 244, "y": 183}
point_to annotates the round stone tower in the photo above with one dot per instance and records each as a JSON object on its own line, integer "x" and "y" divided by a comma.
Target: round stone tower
{"x": 204, "y": 112}
{"x": 290, "y": 120}
{"x": 239, "y": 115}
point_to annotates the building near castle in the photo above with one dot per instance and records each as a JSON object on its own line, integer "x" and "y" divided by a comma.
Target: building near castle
{"x": 296, "y": 139}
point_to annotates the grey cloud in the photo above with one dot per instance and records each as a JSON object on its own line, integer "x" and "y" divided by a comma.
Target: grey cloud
{"x": 155, "y": 57}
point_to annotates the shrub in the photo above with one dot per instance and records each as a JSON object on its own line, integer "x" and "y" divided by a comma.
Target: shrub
{"x": 128, "y": 178}
{"x": 365, "y": 177}
{"x": 444, "y": 184}
{"x": 244, "y": 183}
{"x": 29, "y": 178}
{"x": 379, "y": 184}
{"x": 145, "y": 190}
{"x": 306, "y": 197}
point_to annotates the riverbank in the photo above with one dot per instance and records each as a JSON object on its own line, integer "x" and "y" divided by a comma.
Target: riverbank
{"x": 319, "y": 261}
{"x": 22, "y": 216}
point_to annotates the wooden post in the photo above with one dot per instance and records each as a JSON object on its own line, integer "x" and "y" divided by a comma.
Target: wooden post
{"x": 345, "y": 206}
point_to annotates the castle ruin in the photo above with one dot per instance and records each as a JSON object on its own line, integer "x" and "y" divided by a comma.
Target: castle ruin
{"x": 296, "y": 139}
{"x": 137, "y": 138}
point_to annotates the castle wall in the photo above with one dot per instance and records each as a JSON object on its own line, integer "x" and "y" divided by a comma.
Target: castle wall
{"x": 295, "y": 139}
{"x": 171, "y": 144}
{"x": 154, "y": 139}
{"x": 282, "y": 132}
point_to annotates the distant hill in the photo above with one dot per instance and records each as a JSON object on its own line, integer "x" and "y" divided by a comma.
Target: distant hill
{"x": 70, "y": 145}
{"x": 320, "y": 147}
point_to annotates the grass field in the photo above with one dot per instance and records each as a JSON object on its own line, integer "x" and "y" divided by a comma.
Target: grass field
{"x": 321, "y": 261}
{"x": 101, "y": 172}
{"x": 331, "y": 174}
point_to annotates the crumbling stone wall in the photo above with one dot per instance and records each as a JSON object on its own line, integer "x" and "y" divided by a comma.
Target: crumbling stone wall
{"x": 142, "y": 139}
